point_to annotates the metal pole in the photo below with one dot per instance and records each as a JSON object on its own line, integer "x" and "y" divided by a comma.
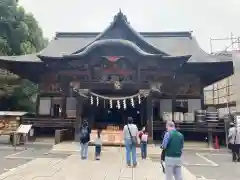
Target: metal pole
{"x": 174, "y": 94}
{"x": 232, "y": 43}
{"x": 229, "y": 113}
{"x": 211, "y": 46}
{"x": 226, "y": 133}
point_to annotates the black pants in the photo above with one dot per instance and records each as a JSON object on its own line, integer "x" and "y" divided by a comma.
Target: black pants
{"x": 235, "y": 152}
{"x": 97, "y": 150}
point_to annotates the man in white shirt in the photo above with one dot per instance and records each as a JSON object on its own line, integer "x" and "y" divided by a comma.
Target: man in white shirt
{"x": 130, "y": 133}
{"x": 234, "y": 141}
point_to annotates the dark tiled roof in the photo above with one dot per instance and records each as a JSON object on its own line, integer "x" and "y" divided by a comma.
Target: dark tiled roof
{"x": 113, "y": 42}
{"x": 173, "y": 43}
{"x": 22, "y": 58}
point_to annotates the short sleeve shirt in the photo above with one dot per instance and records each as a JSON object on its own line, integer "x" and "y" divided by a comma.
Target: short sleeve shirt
{"x": 133, "y": 129}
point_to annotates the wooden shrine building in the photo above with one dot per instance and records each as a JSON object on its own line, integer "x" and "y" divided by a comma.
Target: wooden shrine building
{"x": 109, "y": 76}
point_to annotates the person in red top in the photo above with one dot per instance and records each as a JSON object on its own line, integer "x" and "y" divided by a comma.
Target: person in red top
{"x": 143, "y": 136}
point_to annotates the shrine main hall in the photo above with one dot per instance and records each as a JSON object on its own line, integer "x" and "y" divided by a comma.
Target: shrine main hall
{"x": 108, "y": 76}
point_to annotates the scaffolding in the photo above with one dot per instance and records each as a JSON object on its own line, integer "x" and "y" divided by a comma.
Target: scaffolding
{"x": 232, "y": 43}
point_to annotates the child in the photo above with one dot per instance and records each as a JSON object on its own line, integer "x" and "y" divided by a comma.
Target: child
{"x": 144, "y": 139}
{"x": 98, "y": 145}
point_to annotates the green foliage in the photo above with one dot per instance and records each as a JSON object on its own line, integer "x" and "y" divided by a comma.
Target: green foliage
{"x": 19, "y": 31}
{"x": 25, "y": 96}
{"x": 19, "y": 34}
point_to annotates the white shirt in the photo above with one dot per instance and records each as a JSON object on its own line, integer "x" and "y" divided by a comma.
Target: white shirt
{"x": 98, "y": 141}
{"x": 234, "y": 135}
{"x": 133, "y": 129}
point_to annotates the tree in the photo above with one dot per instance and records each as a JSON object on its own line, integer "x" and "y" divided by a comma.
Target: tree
{"x": 19, "y": 34}
{"x": 19, "y": 31}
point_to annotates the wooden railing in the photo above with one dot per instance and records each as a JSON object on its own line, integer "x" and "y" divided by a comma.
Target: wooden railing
{"x": 48, "y": 122}
{"x": 197, "y": 127}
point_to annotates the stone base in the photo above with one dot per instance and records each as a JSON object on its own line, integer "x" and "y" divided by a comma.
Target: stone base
{"x": 112, "y": 137}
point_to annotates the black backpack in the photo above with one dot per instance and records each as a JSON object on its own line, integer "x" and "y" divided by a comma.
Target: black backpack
{"x": 84, "y": 132}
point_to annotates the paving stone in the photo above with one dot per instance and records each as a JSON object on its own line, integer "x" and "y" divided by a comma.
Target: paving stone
{"x": 111, "y": 166}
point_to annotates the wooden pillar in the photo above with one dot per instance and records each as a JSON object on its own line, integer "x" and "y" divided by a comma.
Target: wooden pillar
{"x": 142, "y": 115}
{"x": 210, "y": 138}
{"x": 202, "y": 96}
{"x": 175, "y": 90}
{"x": 64, "y": 107}
{"x": 173, "y": 106}
{"x": 78, "y": 117}
{"x": 37, "y": 104}
{"x": 150, "y": 117}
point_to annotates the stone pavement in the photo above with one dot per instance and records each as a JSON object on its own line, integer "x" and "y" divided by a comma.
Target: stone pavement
{"x": 111, "y": 167}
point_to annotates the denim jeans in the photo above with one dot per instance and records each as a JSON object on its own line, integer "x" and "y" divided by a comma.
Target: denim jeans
{"x": 173, "y": 168}
{"x": 143, "y": 146}
{"x": 97, "y": 150}
{"x": 84, "y": 150}
{"x": 130, "y": 152}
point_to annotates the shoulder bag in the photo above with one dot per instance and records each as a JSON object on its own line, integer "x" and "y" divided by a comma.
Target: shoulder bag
{"x": 235, "y": 138}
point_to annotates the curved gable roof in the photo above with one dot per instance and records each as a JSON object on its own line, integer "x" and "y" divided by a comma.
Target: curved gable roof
{"x": 122, "y": 42}
{"x": 121, "y": 29}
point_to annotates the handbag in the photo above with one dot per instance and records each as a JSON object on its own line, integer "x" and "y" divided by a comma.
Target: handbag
{"x": 163, "y": 155}
{"x": 162, "y": 160}
{"x": 133, "y": 138}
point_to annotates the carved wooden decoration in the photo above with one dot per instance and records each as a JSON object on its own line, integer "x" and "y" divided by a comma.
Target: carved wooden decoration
{"x": 50, "y": 87}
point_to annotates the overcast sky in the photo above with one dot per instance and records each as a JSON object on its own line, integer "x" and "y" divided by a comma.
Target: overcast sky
{"x": 206, "y": 18}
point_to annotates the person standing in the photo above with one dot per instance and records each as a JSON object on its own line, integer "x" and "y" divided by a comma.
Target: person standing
{"x": 85, "y": 132}
{"x": 234, "y": 142}
{"x": 143, "y": 136}
{"x": 130, "y": 132}
{"x": 172, "y": 145}
{"x": 98, "y": 145}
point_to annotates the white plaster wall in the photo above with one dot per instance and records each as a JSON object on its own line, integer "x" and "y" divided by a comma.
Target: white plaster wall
{"x": 165, "y": 106}
{"x": 44, "y": 106}
{"x": 194, "y": 104}
{"x": 71, "y": 106}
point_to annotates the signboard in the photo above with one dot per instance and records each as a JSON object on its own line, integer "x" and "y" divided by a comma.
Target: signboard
{"x": 24, "y": 128}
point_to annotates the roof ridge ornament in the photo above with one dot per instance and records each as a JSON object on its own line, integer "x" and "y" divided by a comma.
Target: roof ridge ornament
{"x": 121, "y": 16}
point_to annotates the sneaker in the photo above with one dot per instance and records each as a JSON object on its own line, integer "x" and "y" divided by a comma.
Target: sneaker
{"x": 135, "y": 165}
